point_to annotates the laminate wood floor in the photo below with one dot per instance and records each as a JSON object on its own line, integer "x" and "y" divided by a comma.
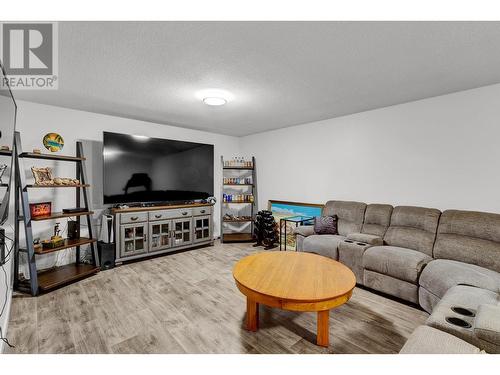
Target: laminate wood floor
{"x": 188, "y": 303}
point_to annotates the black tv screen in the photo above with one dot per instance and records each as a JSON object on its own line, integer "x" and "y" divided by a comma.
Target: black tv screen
{"x": 139, "y": 169}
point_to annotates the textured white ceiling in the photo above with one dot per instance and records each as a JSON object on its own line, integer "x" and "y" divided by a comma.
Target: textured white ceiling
{"x": 280, "y": 73}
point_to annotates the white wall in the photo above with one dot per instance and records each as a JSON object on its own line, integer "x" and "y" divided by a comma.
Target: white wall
{"x": 439, "y": 152}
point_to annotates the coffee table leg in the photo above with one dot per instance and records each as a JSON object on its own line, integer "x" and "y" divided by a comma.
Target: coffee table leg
{"x": 252, "y": 315}
{"x": 323, "y": 333}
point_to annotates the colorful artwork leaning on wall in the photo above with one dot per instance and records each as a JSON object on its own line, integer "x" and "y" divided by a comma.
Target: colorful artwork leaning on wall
{"x": 284, "y": 209}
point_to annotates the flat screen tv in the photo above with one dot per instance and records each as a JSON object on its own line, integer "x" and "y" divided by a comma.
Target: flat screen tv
{"x": 139, "y": 169}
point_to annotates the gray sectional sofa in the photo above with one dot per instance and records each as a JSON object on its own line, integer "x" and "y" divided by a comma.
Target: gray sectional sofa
{"x": 448, "y": 263}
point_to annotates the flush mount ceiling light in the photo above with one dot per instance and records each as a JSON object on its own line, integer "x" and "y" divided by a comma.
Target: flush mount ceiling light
{"x": 211, "y": 100}
{"x": 214, "y": 97}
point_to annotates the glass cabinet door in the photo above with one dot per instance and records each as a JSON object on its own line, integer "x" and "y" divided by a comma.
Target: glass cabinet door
{"x": 202, "y": 228}
{"x": 159, "y": 235}
{"x": 133, "y": 238}
{"x": 182, "y": 232}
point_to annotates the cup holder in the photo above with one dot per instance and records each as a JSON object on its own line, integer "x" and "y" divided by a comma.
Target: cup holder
{"x": 463, "y": 311}
{"x": 457, "y": 322}
{"x": 349, "y": 241}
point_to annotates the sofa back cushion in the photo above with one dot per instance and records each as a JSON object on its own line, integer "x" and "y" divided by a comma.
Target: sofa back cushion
{"x": 470, "y": 237}
{"x": 413, "y": 228}
{"x": 350, "y": 215}
{"x": 377, "y": 219}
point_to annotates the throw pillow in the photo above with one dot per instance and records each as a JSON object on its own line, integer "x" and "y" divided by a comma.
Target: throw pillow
{"x": 325, "y": 224}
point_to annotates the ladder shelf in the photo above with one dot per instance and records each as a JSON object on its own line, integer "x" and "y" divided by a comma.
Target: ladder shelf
{"x": 243, "y": 180}
{"x": 46, "y": 280}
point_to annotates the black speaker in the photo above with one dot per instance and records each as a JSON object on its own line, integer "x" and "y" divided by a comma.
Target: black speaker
{"x": 106, "y": 253}
{"x": 73, "y": 230}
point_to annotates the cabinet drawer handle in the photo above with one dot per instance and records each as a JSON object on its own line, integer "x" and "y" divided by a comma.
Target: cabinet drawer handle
{"x": 184, "y": 213}
{"x": 202, "y": 211}
{"x": 158, "y": 216}
{"x": 134, "y": 218}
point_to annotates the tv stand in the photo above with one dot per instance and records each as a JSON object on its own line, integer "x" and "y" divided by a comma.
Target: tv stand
{"x": 145, "y": 231}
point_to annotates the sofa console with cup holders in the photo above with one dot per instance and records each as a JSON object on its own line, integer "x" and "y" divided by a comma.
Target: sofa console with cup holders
{"x": 446, "y": 262}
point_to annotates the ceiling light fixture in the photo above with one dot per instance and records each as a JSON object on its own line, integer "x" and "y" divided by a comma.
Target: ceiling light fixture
{"x": 214, "y": 97}
{"x": 211, "y": 100}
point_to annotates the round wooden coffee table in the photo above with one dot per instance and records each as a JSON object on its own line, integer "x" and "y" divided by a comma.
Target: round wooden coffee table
{"x": 293, "y": 281}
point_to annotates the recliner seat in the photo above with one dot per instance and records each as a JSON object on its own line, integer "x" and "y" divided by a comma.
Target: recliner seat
{"x": 395, "y": 269}
{"x": 466, "y": 252}
{"x": 350, "y": 220}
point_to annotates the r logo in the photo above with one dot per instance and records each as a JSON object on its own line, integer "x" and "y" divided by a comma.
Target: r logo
{"x": 28, "y": 48}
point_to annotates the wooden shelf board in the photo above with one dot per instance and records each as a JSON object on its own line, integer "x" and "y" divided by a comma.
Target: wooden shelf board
{"x": 58, "y": 215}
{"x": 237, "y": 237}
{"x": 6, "y": 152}
{"x": 240, "y": 168}
{"x": 59, "y": 276}
{"x": 31, "y": 155}
{"x": 238, "y": 184}
{"x": 4, "y": 185}
{"x": 67, "y": 244}
{"x": 56, "y": 186}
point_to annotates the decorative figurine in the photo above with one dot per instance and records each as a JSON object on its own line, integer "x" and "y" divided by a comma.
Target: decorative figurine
{"x": 55, "y": 241}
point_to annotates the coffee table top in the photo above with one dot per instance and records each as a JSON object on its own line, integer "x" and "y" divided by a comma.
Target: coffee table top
{"x": 293, "y": 276}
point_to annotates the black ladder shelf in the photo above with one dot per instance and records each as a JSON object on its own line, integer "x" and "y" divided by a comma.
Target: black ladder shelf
{"x": 246, "y": 236}
{"x": 46, "y": 280}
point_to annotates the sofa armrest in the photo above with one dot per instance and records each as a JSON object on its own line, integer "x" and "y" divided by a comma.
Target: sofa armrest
{"x": 369, "y": 239}
{"x": 304, "y": 230}
{"x": 487, "y": 323}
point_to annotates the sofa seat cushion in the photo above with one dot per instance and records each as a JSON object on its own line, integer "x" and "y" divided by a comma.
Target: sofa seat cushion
{"x": 323, "y": 244}
{"x": 428, "y": 340}
{"x": 398, "y": 262}
{"x": 442, "y": 274}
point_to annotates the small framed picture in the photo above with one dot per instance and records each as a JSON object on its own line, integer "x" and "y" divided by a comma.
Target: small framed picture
{"x": 40, "y": 209}
{"x": 43, "y": 176}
